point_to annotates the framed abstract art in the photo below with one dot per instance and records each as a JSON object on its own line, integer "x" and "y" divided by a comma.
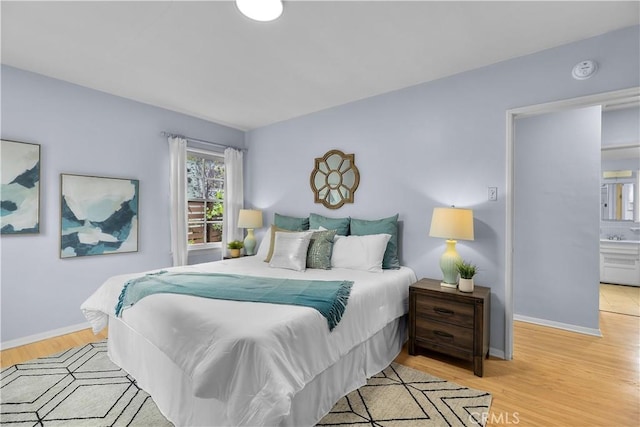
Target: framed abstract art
{"x": 99, "y": 215}
{"x": 20, "y": 187}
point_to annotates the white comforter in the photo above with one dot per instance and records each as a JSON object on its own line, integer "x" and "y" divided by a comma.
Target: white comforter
{"x": 255, "y": 356}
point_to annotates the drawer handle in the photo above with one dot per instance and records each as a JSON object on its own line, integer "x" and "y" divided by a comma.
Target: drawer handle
{"x": 444, "y": 311}
{"x": 443, "y": 334}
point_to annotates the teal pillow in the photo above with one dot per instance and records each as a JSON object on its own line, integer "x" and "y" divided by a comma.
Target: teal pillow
{"x": 320, "y": 248}
{"x": 361, "y": 227}
{"x": 291, "y": 223}
{"x": 341, "y": 225}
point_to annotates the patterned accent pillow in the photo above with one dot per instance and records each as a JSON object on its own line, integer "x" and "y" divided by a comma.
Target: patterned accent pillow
{"x": 320, "y": 248}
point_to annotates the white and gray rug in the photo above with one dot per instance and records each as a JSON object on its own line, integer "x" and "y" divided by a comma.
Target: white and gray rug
{"x": 403, "y": 397}
{"x": 82, "y": 387}
{"x": 78, "y": 387}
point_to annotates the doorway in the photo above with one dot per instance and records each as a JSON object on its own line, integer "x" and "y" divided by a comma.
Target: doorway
{"x": 620, "y": 213}
{"x": 593, "y": 100}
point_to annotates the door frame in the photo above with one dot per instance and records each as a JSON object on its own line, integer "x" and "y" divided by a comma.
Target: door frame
{"x": 605, "y": 98}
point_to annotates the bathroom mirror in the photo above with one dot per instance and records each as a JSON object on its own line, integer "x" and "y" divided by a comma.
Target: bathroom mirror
{"x": 334, "y": 179}
{"x": 619, "y": 197}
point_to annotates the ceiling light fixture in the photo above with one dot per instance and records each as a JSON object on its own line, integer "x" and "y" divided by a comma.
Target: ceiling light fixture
{"x": 260, "y": 10}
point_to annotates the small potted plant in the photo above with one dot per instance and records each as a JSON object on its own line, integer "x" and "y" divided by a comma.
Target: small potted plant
{"x": 467, "y": 271}
{"x": 234, "y": 248}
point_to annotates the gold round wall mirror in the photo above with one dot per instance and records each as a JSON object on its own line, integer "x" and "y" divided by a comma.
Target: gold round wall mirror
{"x": 334, "y": 179}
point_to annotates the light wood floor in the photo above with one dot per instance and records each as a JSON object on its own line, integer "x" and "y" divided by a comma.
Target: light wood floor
{"x": 620, "y": 299}
{"x": 557, "y": 378}
{"x": 48, "y": 347}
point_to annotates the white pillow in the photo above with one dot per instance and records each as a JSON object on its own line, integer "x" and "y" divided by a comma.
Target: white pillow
{"x": 290, "y": 250}
{"x": 360, "y": 252}
{"x": 265, "y": 243}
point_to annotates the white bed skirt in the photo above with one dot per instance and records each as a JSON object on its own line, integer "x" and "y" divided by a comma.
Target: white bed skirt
{"x": 171, "y": 390}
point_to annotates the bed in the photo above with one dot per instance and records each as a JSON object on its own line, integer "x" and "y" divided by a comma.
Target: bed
{"x": 217, "y": 362}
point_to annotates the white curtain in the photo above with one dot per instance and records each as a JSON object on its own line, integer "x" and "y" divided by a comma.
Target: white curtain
{"x": 233, "y": 196}
{"x": 178, "y": 197}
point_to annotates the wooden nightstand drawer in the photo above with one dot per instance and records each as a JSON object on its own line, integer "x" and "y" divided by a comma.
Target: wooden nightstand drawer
{"x": 458, "y": 352}
{"x": 445, "y": 334}
{"x": 445, "y": 310}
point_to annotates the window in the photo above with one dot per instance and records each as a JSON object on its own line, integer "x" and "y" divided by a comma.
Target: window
{"x": 205, "y": 197}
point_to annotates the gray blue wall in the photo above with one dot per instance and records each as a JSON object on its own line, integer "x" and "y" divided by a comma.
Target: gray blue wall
{"x": 435, "y": 144}
{"x": 556, "y": 205}
{"x": 82, "y": 131}
{"x": 621, "y": 127}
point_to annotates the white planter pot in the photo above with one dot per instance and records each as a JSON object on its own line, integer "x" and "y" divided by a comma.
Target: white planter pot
{"x": 465, "y": 285}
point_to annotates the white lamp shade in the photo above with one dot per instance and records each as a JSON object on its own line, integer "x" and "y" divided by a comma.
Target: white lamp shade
{"x": 452, "y": 223}
{"x": 250, "y": 218}
{"x": 260, "y": 10}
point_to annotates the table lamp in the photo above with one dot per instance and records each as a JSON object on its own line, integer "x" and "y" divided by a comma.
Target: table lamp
{"x": 250, "y": 219}
{"x": 452, "y": 224}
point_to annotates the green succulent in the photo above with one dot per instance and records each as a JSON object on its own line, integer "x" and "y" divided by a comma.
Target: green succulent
{"x": 236, "y": 244}
{"x": 466, "y": 269}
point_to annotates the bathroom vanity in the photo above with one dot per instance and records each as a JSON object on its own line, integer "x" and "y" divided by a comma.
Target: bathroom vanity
{"x": 620, "y": 262}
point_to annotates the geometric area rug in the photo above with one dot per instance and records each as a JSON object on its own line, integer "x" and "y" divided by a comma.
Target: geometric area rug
{"x": 403, "y": 397}
{"x": 82, "y": 387}
{"x": 78, "y": 387}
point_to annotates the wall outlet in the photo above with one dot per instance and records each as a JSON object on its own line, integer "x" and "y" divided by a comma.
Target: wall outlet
{"x": 493, "y": 194}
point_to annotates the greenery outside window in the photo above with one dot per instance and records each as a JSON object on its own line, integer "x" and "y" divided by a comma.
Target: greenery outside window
{"x": 205, "y": 198}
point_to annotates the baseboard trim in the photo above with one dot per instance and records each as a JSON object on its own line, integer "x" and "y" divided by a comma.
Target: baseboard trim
{"x": 44, "y": 335}
{"x": 558, "y": 325}
{"x": 496, "y": 352}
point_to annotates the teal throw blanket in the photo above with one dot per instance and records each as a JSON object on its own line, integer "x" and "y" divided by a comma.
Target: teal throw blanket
{"x": 328, "y": 297}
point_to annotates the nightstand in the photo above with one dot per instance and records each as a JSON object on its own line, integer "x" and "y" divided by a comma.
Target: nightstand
{"x": 449, "y": 321}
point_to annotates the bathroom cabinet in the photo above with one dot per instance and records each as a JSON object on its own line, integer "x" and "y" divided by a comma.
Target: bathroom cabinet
{"x": 620, "y": 262}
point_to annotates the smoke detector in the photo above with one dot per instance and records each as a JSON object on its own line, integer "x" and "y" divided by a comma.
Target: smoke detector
{"x": 584, "y": 69}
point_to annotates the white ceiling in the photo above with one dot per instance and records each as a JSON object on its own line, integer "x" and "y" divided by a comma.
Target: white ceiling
{"x": 205, "y": 59}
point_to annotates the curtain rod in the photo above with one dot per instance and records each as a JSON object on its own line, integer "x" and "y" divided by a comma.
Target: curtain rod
{"x": 175, "y": 135}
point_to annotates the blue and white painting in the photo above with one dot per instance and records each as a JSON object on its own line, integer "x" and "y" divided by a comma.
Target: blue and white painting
{"x": 20, "y": 187}
{"x": 98, "y": 215}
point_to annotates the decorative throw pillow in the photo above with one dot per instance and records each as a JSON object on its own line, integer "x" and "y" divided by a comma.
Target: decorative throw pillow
{"x": 265, "y": 245}
{"x": 341, "y": 225}
{"x": 361, "y": 227}
{"x": 291, "y": 223}
{"x": 360, "y": 252}
{"x": 272, "y": 240}
{"x": 290, "y": 250}
{"x": 320, "y": 248}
